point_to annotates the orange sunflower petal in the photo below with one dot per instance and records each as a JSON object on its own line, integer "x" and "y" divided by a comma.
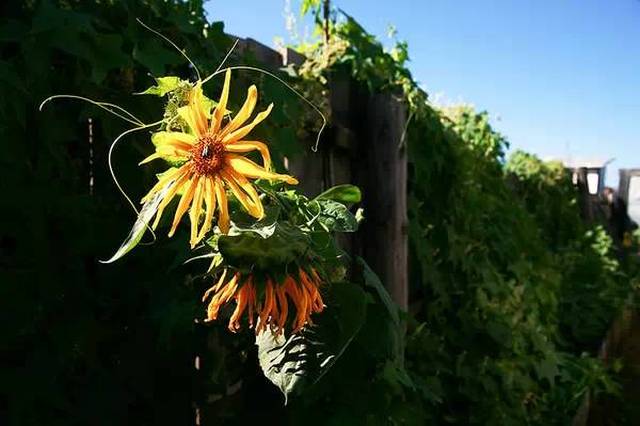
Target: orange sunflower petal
{"x": 216, "y": 287}
{"x": 241, "y": 299}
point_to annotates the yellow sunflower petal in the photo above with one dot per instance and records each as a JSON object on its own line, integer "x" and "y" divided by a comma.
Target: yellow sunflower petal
{"x": 196, "y": 114}
{"x": 176, "y": 186}
{"x": 183, "y": 205}
{"x": 150, "y": 158}
{"x": 194, "y": 212}
{"x": 200, "y": 109}
{"x": 244, "y": 131}
{"x": 218, "y": 113}
{"x": 176, "y": 139}
{"x": 250, "y": 169}
{"x": 242, "y": 196}
{"x": 247, "y": 146}
{"x": 223, "y": 208}
{"x": 249, "y": 189}
{"x": 168, "y": 153}
{"x": 210, "y": 202}
{"x": 244, "y": 113}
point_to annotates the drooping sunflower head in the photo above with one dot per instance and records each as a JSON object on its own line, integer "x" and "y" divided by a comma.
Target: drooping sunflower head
{"x": 269, "y": 303}
{"x": 207, "y": 158}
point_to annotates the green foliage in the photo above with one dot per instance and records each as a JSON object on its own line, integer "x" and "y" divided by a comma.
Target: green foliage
{"x": 510, "y": 288}
{"x": 547, "y": 193}
{"x": 501, "y": 318}
{"x": 295, "y": 231}
{"x": 487, "y": 283}
{"x": 164, "y": 85}
{"x": 593, "y": 280}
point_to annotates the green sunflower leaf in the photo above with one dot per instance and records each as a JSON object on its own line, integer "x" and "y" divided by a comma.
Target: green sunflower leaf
{"x": 301, "y": 360}
{"x": 264, "y": 246}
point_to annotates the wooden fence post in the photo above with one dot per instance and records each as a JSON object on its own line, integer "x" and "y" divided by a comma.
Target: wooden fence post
{"x": 380, "y": 169}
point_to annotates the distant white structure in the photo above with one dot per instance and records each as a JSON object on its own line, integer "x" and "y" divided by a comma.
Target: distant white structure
{"x": 596, "y": 169}
{"x": 629, "y": 190}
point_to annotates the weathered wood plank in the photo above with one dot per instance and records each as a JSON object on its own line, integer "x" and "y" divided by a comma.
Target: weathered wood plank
{"x": 380, "y": 169}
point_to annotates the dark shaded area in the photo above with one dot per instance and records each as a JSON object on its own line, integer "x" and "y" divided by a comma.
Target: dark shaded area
{"x": 82, "y": 342}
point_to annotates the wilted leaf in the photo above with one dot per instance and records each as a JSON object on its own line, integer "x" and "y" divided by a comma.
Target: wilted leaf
{"x": 140, "y": 226}
{"x": 302, "y": 359}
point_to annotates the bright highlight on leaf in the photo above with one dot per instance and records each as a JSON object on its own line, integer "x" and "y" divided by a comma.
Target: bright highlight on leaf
{"x": 208, "y": 152}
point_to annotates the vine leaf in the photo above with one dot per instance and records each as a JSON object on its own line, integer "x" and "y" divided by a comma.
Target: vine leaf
{"x": 301, "y": 360}
{"x": 336, "y": 217}
{"x": 372, "y": 280}
{"x": 164, "y": 86}
{"x": 147, "y": 212}
{"x": 342, "y": 193}
{"x": 393, "y": 330}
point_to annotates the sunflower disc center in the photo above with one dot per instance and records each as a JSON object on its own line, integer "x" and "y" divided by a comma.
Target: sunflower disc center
{"x": 207, "y": 156}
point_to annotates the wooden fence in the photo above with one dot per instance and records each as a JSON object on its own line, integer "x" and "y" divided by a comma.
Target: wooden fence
{"x": 361, "y": 145}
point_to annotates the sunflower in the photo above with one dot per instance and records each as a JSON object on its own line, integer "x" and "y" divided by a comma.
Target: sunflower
{"x": 301, "y": 290}
{"x": 209, "y": 161}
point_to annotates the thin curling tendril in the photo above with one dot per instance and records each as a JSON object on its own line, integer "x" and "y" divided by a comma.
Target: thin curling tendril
{"x": 175, "y": 46}
{"x": 220, "y": 70}
{"x": 287, "y": 85}
{"x": 104, "y": 105}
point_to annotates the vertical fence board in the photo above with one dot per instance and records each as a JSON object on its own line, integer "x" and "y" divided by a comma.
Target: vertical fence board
{"x": 380, "y": 169}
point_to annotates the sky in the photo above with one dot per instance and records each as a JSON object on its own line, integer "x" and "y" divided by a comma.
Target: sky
{"x": 559, "y": 78}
